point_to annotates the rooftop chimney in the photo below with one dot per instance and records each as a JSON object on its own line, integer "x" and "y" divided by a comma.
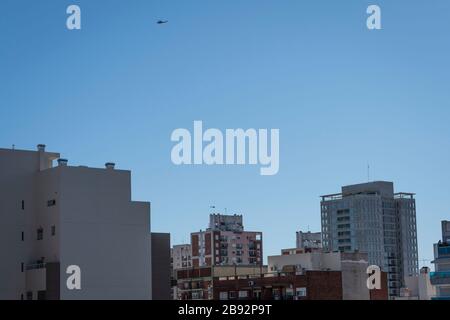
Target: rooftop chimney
{"x": 110, "y": 165}
{"x": 62, "y": 162}
{"x": 41, "y": 147}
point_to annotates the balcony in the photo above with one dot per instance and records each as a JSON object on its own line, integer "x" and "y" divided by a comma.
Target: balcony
{"x": 444, "y": 250}
{"x": 441, "y": 298}
{"x": 36, "y": 277}
{"x": 36, "y": 266}
{"x": 440, "y": 278}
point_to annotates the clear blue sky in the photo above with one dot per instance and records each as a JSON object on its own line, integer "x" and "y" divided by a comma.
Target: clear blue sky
{"x": 341, "y": 95}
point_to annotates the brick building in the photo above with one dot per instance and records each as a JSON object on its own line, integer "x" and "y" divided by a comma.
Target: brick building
{"x": 226, "y": 243}
{"x": 244, "y": 283}
{"x": 312, "y": 285}
{"x": 197, "y": 283}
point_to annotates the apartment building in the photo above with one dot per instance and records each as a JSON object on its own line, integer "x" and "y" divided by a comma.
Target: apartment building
{"x": 346, "y": 281}
{"x": 197, "y": 283}
{"x": 371, "y": 218}
{"x": 310, "y": 285}
{"x": 441, "y": 275}
{"x": 418, "y": 287}
{"x": 351, "y": 266}
{"x": 54, "y": 217}
{"x": 226, "y": 242}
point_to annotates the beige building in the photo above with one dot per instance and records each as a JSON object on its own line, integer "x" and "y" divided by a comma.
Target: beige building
{"x": 418, "y": 287}
{"x": 53, "y": 217}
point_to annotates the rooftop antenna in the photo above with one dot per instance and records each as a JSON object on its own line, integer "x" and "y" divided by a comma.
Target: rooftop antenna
{"x": 368, "y": 172}
{"x": 425, "y": 261}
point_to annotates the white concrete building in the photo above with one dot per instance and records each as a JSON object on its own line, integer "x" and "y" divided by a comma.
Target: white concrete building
{"x": 308, "y": 240}
{"x": 181, "y": 256}
{"x": 223, "y": 222}
{"x": 418, "y": 287}
{"x": 55, "y": 217}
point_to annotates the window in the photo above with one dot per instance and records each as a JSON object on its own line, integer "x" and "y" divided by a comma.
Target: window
{"x": 29, "y": 295}
{"x": 197, "y": 295}
{"x": 21, "y": 296}
{"x": 300, "y": 292}
{"x": 51, "y": 203}
{"x": 23, "y": 204}
{"x": 41, "y": 295}
{"x": 23, "y": 236}
{"x": 40, "y": 233}
{"x": 53, "y": 230}
{"x": 223, "y": 296}
{"x": 289, "y": 293}
{"x": 22, "y": 267}
{"x": 243, "y": 294}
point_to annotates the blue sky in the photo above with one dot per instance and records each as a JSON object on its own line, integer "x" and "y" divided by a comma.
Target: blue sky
{"x": 341, "y": 95}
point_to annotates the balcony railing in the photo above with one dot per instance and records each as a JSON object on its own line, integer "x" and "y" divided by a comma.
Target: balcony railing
{"x": 440, "y": 298}
{"x": 444, "y": 250}
{"x": 35, "y": 266}
{"x": 440, "y": 277}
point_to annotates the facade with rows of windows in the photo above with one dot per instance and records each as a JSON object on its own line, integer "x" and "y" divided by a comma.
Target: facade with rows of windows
{"x": 370, "y": 218}
{"x": 226, "y": 242}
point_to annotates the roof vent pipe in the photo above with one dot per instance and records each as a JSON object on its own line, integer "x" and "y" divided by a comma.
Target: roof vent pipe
{"x": 62, "y": 162}
{"x": 110, "y": 165}
{"x": 41, "y": 147}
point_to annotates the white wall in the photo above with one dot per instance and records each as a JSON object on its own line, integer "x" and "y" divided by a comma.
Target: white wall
{"x": 98, "y": 227}
{"x": 105, "y": 234}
